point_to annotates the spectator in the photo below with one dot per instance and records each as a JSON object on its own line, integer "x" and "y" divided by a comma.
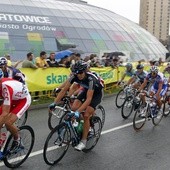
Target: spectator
{"x": 41, "y": 61}
{"x": 28, "y": 63}
{"x": 9, "y": 62}
{"x": 52, "y": 61}
{"x": 160, "y": 61}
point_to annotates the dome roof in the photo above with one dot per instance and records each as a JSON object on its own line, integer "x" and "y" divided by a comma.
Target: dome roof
{"x": 35, "y": 25}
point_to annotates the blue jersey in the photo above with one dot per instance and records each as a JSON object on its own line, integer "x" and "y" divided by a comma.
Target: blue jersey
{"x": 14, "y": 73}
{"x": 156, "y": 80}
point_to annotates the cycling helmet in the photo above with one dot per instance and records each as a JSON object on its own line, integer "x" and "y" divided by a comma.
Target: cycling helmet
{"x": 154, "y": 69}
{"x": 168, "y": 64}
{"x": 128, "y": 65}
{"x": 3, "y": 61}
{"x": 79, "y": 67}
{"x": 139, "y": 66}
{"x": 1, "y": 73}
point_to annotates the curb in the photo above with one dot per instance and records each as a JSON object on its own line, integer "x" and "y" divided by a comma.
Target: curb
{"x": 45, "y": 105}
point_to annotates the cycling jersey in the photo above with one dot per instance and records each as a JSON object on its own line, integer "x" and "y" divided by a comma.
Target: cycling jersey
{"x": 141, "y": 76}
{"x": 14, "y": 73}
{"x": 156, "y": 80}
{"x": 91, "y": 82}
{"x": 16, "y": 95}
{"x": 129, "y": 73}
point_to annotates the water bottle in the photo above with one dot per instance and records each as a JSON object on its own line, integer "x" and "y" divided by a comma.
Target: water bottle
{"x": 75, "y": 123}
{"x": 2, "y": 139}
{"x": 80, "y": 127}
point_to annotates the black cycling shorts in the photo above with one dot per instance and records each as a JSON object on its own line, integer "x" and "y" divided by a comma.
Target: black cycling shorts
{"x": 96, "y": 99}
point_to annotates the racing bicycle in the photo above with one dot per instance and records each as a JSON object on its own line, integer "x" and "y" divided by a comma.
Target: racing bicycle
{"x": 13, "y": 158}
{"x": 64, "y": 134}
{"x": 56, "y": 116}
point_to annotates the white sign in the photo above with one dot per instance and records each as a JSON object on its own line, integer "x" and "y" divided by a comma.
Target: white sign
{"x": 25, "y": 18}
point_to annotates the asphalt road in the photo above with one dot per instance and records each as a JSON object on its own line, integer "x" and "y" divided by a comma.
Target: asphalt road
{"x": 119, "y": 148}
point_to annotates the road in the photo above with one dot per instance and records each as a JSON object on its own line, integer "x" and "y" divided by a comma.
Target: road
{"x": 119, "y": 148}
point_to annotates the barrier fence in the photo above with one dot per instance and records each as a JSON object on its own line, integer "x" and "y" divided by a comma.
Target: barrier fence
{"x": 41, "y": 82}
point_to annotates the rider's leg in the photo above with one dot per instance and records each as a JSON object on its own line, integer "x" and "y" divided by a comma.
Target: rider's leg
{"x": 11, "y": 127}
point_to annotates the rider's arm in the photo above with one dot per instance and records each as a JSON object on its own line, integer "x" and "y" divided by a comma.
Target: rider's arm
{"x": 143, "y": 84}
{"x": 131, "y": 80}
{"x": 122, "y": 77}
{"x": 159, "y": 88}
{"x": 87, "y": 102}
{"x": 63, "y": 91}
{"x": 4, "y": 116}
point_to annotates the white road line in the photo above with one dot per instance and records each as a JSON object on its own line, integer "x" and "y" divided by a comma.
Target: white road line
{"x": 103, "y": 132}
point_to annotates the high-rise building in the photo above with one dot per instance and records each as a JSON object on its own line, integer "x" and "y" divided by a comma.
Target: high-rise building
{"x": 154, "y": 17}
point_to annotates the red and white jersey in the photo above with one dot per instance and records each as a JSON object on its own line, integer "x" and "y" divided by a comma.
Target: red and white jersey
{"x": 13, "y": 90}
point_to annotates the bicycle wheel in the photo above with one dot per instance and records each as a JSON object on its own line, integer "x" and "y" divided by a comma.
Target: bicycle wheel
{"x": 127, "y": 107}
{"x": 156, "y": 120}
{"x": 120, "y": 97}
{"x": 54, "y": 117}
{"x": 166, "y": 110}
{"x": 100, "y": 112}
{"x": 94, "y": 133}
{"x": 22, "y": 121}
{"x": 14, "y": 159}
{"x": 138, "y": 119}
{"x": 57, "y": 144}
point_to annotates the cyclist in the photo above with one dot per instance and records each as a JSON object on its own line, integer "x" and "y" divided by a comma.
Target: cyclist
{"x": 16, "y": 100}
{"x": 158, "y": 88}
{"x": 11, "y": 72}
{"x": 129, "y": 72}
{"x": 138, "y": 78}
{"x": 87, "y": 100}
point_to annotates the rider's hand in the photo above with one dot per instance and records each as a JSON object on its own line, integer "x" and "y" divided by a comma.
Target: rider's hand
{"x": 52, "y": 106}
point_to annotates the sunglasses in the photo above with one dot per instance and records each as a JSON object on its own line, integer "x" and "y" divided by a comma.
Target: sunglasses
{"x": 80, "y": 72}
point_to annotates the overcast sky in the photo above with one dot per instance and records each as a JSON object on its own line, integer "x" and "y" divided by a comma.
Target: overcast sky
{"x": 126, "y": 8}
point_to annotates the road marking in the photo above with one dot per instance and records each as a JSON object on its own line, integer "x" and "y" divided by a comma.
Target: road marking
{"x": 103, "y": 132}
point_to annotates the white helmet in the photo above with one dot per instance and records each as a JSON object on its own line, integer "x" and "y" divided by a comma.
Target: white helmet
{"x": 3, "y": 61}
{"x": 154, "y": 69}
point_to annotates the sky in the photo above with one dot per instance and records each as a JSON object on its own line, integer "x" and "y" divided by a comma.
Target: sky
{"x": 127, "y": 8}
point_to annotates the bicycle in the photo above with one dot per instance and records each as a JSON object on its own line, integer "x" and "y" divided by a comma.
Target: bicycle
{"x": 122, "y": 95}
{"x": 14, "y": 158}
{"x": 22, "y": 121}
{"x": 64, "y": 134}
{"x": 56, "y": 116}
{"x": 130, "y": 104}
{"x": 148, "y": 111}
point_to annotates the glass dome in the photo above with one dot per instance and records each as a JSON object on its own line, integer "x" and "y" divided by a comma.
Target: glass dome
{"x": 35, "y": 25}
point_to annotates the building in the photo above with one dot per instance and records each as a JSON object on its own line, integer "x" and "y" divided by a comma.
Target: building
{"x": 53, "y": 25}
{"x": 154, "y": 17}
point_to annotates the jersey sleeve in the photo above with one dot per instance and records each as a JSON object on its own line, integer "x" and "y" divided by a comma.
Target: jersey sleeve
{"x": 7, "y": 93}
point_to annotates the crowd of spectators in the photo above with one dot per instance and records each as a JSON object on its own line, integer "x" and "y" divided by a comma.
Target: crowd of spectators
{"x": 45, "y": 61}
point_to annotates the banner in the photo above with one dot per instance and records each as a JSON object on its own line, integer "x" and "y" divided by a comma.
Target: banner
{"x": 45, "y": 79}
{"x": 50, "y": 78}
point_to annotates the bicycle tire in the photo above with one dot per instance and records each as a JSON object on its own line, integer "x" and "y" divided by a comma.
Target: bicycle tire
{"x": 117, "y": 98}
{"x": 100, "y": 113}
{"x": 138, "y": 121}
{"x": 53, "y": 120}
{"x": 22, "y": 121}
{"x": 9, "y": 160}
{"x": 156, "y": 120}
{"x": 124, "y": 109}
{"x": 94, "y": 134}
{"x": 166, "y": 110}
{"x": 51, "y": 142}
